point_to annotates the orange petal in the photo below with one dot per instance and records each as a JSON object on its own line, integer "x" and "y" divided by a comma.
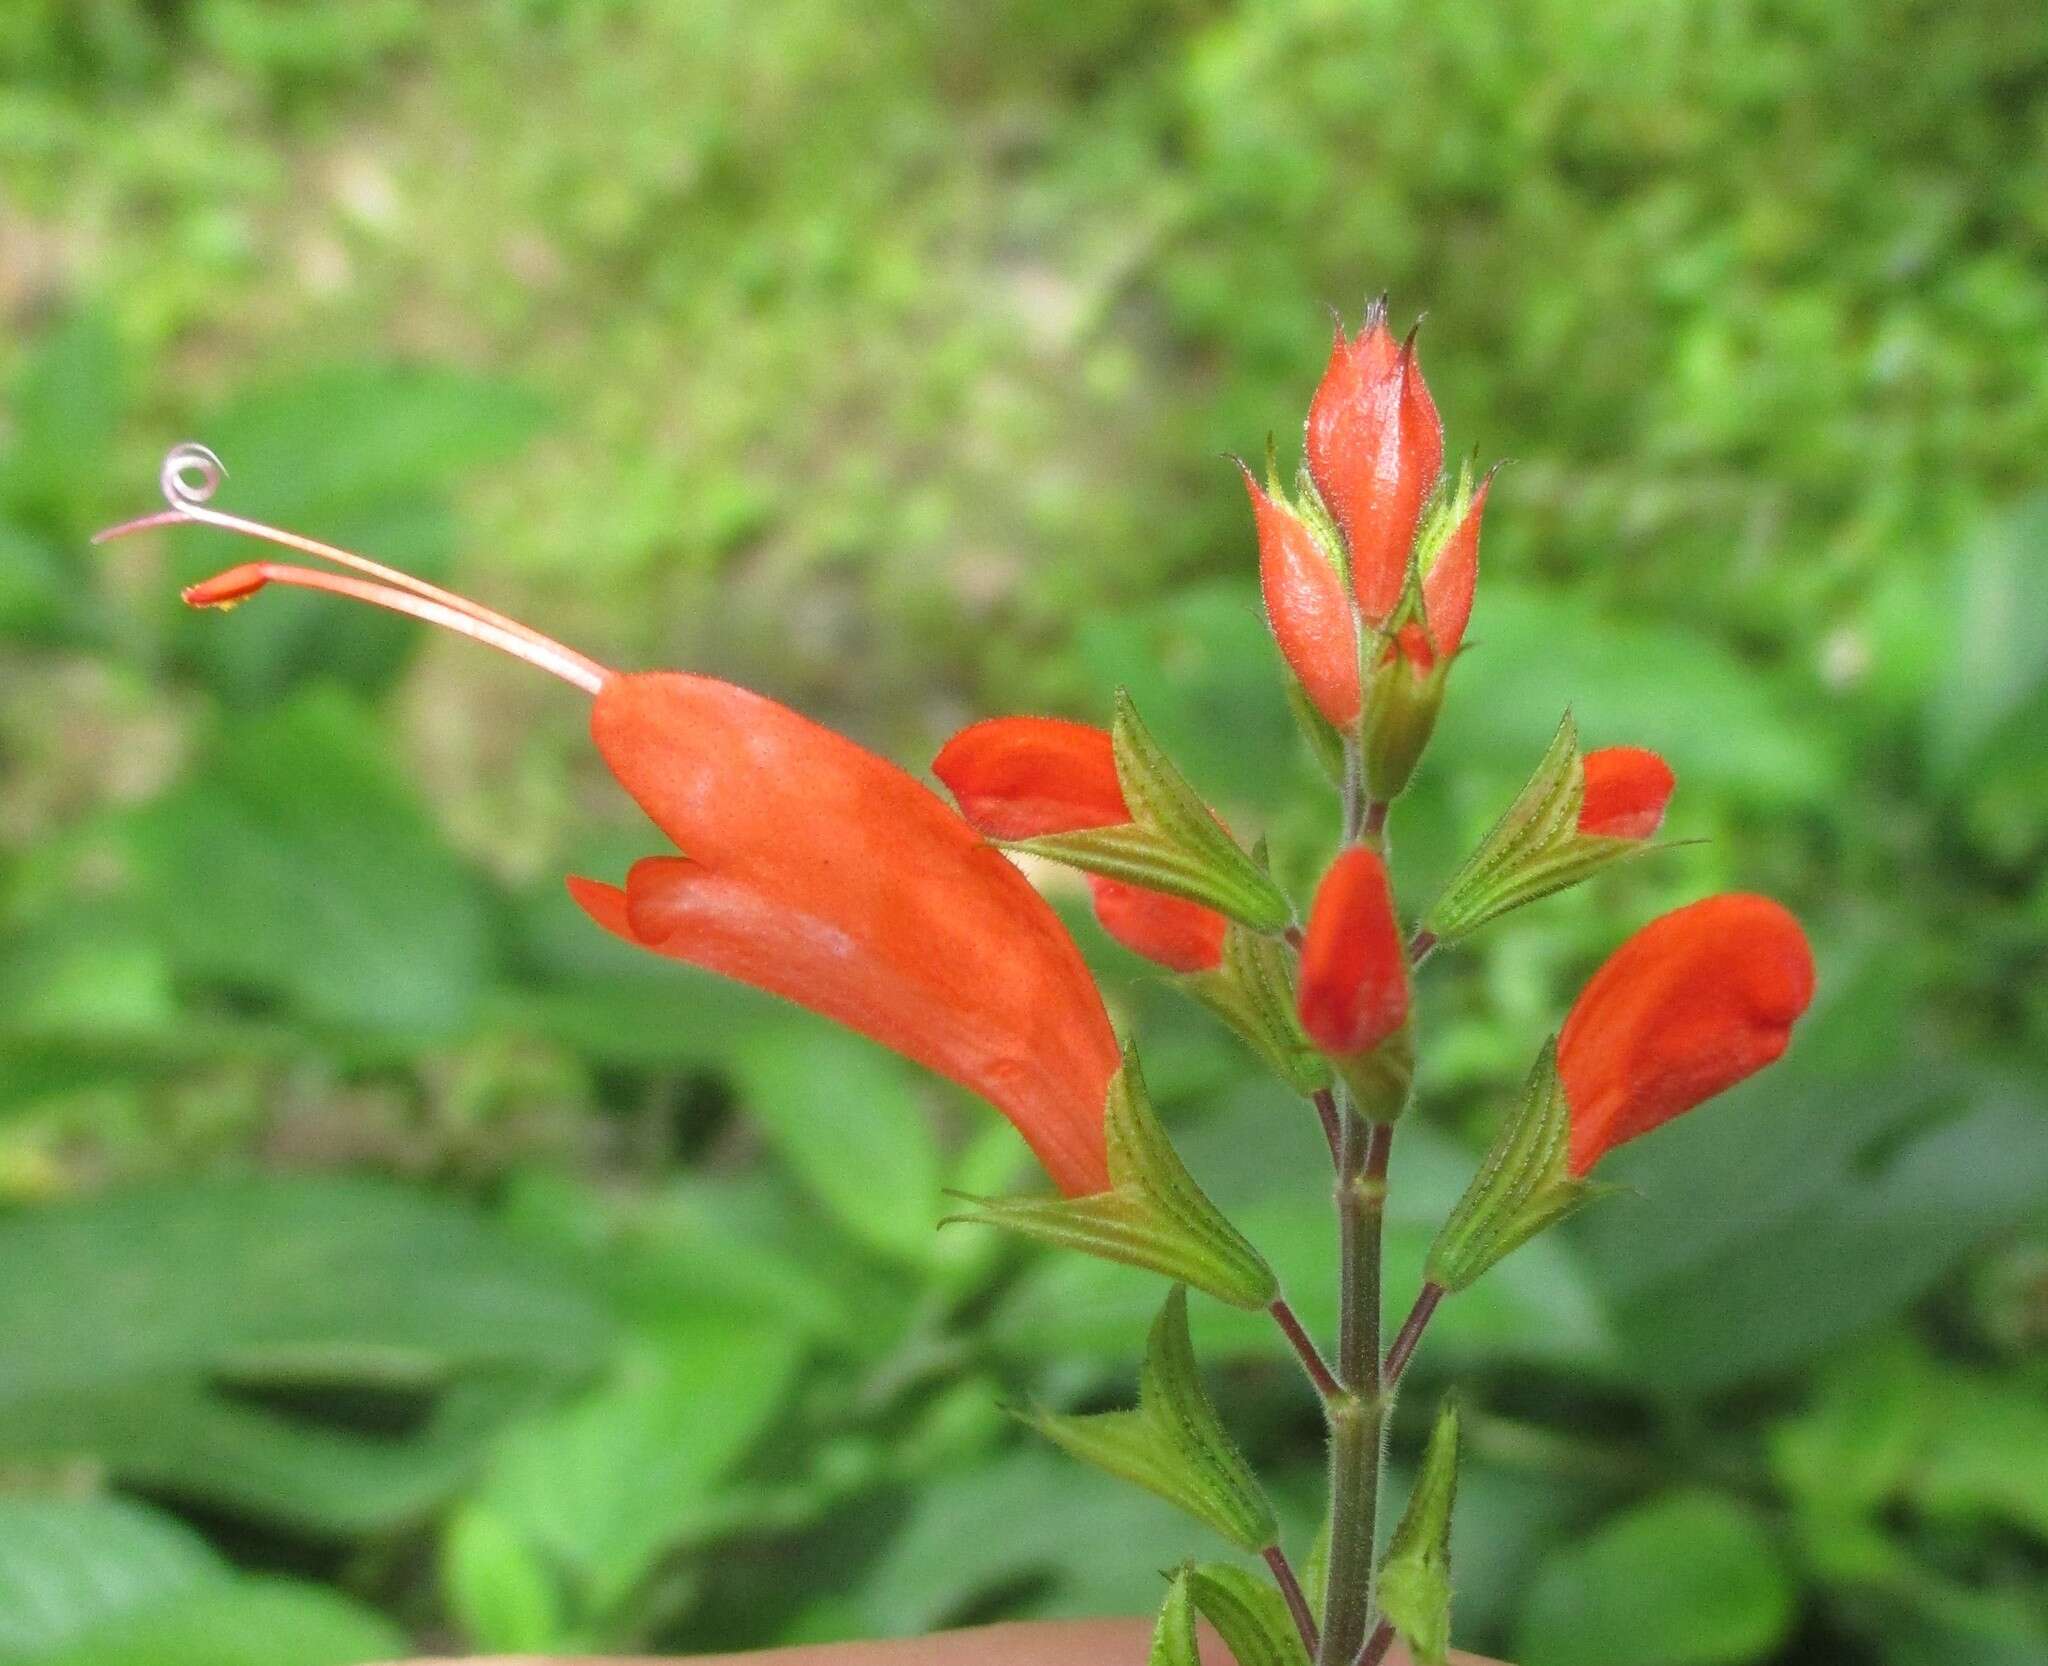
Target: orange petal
{"x": 1353, "y": 986}
{"x": 1023, "y": 777}
{"x": 826, "y": 875}
{"x": 1307, "y": 606}
{"x": 1375, "y": 447}
{"x": 1453, "y": 578}
{"x": 1180, "y": 935}
{"x": 1627, "y": 788}
{"x": 1686, "y": 1008}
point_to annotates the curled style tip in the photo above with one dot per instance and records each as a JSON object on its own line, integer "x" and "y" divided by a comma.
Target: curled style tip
{"x": 192, "y": 473}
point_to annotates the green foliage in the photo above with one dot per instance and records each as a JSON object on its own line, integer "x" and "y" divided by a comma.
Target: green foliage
{"x": 882, "y": 359}
{"x": 101, "y": 1582}
{"x": 1687, "y": 1580}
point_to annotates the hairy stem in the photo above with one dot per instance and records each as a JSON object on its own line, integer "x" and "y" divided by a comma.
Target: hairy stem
{"x": 1357, "y": 1422}
{"x": 1409, "y": 1335}
{"x": 1310, "y": 1355}
{"x": 1297, "y": 1600}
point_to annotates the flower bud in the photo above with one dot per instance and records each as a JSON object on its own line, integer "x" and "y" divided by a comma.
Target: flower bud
{"x": 1690, "y": 1005}
{"x": 1308, "y": 608}
{"x": 1180, "y": 935}
{"x": 1353, "y": 990}
{"x": 1626, "y": 790}
{"x": 1375, "y": 447}
{"x": 1354, "y": 970}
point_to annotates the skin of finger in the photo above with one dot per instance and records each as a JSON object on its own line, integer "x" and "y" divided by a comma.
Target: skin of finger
{"x": 1073, "y": 1643}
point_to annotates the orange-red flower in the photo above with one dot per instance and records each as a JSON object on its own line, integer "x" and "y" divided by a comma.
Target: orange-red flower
{"x": 1032, "y": 777}
{"x": 1352, "y": 992}
{"x": 1627, "y": 788}
{"x": 1306, "y": 604}
{"x": 811, "y": 868}
{"x": 822, "y": 873}
{"x": 1690, "y": 1005}
{"x": 1375, "y": 449}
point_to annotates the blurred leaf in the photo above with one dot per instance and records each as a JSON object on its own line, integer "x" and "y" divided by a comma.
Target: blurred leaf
{"x": 1722, "y": 722}
{"x": 167, "y": 1323}
{"x": 70, "y": 1565}
{"x": 608, "y": 1484}
{"x": 300, "y": 863}
{"x": 243, "y": 1622}
{"x": 1065, "y": 1547}
{"x": 499, "y": 1591}
{"x": 67, "y": 401}
{"x": 845, "y": 1117}
{"x": 105, "y": 1582}
{"x": 1689, "y": 1580}
{"x": 1998, "y": 618}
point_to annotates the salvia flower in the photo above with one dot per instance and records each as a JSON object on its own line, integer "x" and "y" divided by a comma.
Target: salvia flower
{"x": 811, "y": 868}
{"x": 1690, "y": 1005}
{"x": 1018, "y": 778}
{"x": 1626, "y": 791}
{"x": 1375, "y": 448}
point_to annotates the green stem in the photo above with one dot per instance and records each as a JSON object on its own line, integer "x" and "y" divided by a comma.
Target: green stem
{"x": 1357, "y": 1422}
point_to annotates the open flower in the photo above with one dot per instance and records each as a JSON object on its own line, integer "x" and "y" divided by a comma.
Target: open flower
{"x": 1626, "y": 791}
{"x": 1031, "y": 777}
{"x": 811, "y": 868}
{"x": 1353, "y": 988}
{"x": 1690, "y": 1005}
{"x": 1375, "y": 448}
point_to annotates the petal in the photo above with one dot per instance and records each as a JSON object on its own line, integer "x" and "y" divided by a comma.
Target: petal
{"x": 1375, "y": 447}
{"x": 1180, "y": 935}
{"x": 1353, "y": 987}
{"x": 826, "y": 875}
{"x": 1023, "y": 777}
{"x": 1308, "y": 608}
{"x": 1685, "y": 1009}
{"x": 1627, "y": 788}
{"x": 1453, "y": 578}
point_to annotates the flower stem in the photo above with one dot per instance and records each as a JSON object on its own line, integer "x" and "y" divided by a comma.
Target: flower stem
{"x": 1357, "y": 1422}
{"x": 1311, "y": 1356}
{"x": 1297, "y": 1600}
{"x": 1410, "y": 1334}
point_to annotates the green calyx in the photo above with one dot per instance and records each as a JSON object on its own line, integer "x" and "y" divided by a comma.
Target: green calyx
{"x": 1173, "y": 1638}
{"x": 1153, "y": 1215}
{"x": 1534, "y": 851}
{"x": 1415, "y": 1579}
{"x": 1171, "y": 843}
{"x": 1248, "y": 1613}
{"x": 1173, "y": 1444}
{"x": 1522, "y": 1186}
{"x": 1401, "y": 706}
{"x": 1252, "y": 991}
{"x": 1381, "y": 1079}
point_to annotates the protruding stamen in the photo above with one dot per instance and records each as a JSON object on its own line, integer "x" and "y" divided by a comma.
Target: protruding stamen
{"x": 238, "y": 584}
{"x": 190, "y": 475}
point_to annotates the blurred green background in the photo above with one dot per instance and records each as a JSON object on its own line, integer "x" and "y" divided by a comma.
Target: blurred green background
{"x": 387, "y": 1259}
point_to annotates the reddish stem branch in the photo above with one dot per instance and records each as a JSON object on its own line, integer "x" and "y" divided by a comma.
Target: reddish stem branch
{"x": 1376, "y": 1645}
{"x": 1297, "y": 1600}
{"x": 1409, "y": 1335}
{"x": 1333, "y": 1129}
{"x": 1304, "y": 1346}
